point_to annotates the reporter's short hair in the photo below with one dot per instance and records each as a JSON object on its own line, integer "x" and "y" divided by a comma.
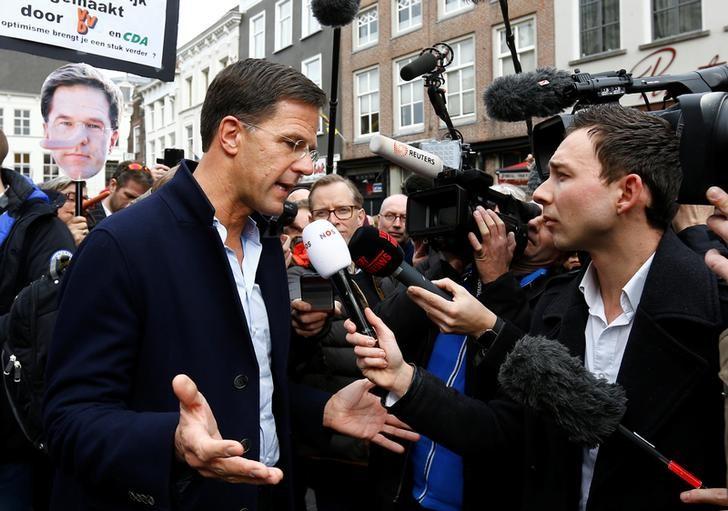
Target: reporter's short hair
{"x": 80, "y": 74}
{"x": 330, "y": 179}
{"x": 250, "y": 90}
{"x": 629, "y": 141}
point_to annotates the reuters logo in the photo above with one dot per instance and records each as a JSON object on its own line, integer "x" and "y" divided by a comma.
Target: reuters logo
{"x": 400, "y": 149}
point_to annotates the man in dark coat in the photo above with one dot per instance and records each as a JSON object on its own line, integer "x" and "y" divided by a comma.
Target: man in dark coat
{"x": 646, "y": 314}
{"x": 167, "y": 384}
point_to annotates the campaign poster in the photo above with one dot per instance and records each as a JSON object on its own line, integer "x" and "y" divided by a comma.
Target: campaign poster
{"x": 136, "y": 36}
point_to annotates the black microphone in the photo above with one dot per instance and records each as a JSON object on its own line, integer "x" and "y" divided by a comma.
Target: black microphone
{"x": 425, "y": 63}
{"x": 540, "y": 373}
{"x": 330, "y": 257}
{"x": 378, "y": 253}
{"x": 334, "y": 13}
{"x": 540, "y": 93}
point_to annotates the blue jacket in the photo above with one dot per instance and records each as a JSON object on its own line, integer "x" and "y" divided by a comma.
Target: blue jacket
{"x": 150, "y": 295}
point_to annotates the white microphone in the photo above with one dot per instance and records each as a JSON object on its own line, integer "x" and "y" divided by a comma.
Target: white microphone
{"x": 421, "y": 162}
{"x": 330, "y": 257}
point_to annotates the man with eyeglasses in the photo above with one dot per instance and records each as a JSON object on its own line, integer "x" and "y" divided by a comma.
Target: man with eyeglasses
{"x": 167, "y": 381}
{"x": 393, "y": 221}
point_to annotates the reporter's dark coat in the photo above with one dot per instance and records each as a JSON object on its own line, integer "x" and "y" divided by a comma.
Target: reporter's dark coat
{"x": 669, "y": 372}
{"x": 150, "y": 295}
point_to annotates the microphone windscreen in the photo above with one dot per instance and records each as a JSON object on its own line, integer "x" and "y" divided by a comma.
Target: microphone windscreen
{"x": 375, "y": 251}
{"x": 541, "y": 374}
{"x": 334, "y": 13}
{"x": 541, "y": 93}
{"x": 419, "y": 66}
{"x": 326, "y": 248}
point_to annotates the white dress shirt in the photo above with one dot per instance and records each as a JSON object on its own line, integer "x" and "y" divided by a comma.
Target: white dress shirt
{"x": 605, "y": 344}
{"x": 257, "y": 317}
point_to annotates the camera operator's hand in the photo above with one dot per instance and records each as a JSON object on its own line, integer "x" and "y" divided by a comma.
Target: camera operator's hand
{"x": 494, "y": 255}
{"x": 158, "y": 171}
{"x": 463, "y": 315}
{"x": 718, "y": 223}
{"x": 286, "y": 244}
{"x": 689, "y": 215}
{"x": 382, "y": 365}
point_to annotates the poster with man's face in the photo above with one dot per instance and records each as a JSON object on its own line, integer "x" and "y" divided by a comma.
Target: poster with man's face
{"x": 78, "y": 127}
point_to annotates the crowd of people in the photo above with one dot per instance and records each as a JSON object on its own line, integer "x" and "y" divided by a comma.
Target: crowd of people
{"x": 187, "y": 370}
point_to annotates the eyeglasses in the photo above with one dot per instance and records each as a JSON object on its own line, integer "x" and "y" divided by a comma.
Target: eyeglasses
{"x": 391, "y": 217}
{"x": 64, "y": 129}
{"x": 299, "y": 148}
{"x": 341, "y": 212}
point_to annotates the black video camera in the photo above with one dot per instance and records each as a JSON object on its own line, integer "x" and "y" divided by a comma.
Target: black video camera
{"x": 699, "y": 118}
{"x": 443, "y": 214}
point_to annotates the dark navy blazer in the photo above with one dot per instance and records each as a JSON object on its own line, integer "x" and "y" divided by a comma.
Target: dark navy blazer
{"x": 150, "y": 295}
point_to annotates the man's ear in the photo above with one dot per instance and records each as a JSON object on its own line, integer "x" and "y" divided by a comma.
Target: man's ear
{"x": 360, "y": 214}
{"x": 112, "y": 141}
{"x": 113, "y": 185}
{"x": 227, "y": 135}
{"x": 633, "y": 193}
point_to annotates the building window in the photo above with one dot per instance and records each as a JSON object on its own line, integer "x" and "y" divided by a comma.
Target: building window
{"x": 150, "y": 154}
{"x": 366, "y": 88}
{"x": 407, "y": 15}
{"x": 311, "y": 68}
{"x": 189, "y": 90}
{"x": 21, "y": 123}
{"x": 149, "y": 116}
{"x": 366, "y": 31}
{"x": 2, "y": 119}
{"x": 205, "y": 79}
{"x": 452, "y": 7}
{"x": 50, "y": 169}
{"x": 672, "y": 17}
{"x": 224, "y": 62}
{"x": 284, "y": 24}
{"x": 159, "y": 113}
{"x": 136, "y": 140}
{"x": 170, "y": 110}
{"x": 599, "y": 26}
{"x": 22, "y": 163}
{"x": 190, "y": 136}
{"x": 171, "y": 140}
{"x": 460, "y": 79}
{"x": 524, "y": 33}
{"x": 309, "y": 23}
{"x": 408, "y": 97}
{"x": 257, "y": 36}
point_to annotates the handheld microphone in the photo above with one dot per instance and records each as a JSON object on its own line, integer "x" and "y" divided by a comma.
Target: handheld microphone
{"x": 330, "y": 257}
{"x": 425, "y": 63}
{"x": 541, "y": 374}
{"x": 378, "y": 253}
{"x": 540, "y": 93}
{"x": 420, "y": 162}
{"x": 334, "y": 13}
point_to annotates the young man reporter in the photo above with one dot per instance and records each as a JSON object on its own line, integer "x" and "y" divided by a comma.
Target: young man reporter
{"x": 645, "y": 313}
{"x": 167, "y": 378}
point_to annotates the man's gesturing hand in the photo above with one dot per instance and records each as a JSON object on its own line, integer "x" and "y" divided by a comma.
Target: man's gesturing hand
{"x": 198, "y": 442}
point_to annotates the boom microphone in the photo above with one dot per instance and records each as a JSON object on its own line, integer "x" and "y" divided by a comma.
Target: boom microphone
{"x": 378, "y": 253}
{"x": 330, "y": 257}
{"x": 420, "y": 162}
{"x": 540, "y": 93}
{"x": 425, "y": 63}
{"x": 334, "y": 13}
{"x": 541, "y": 374}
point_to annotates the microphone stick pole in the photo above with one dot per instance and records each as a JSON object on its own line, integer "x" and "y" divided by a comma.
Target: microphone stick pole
{"x": 333, "y": 101}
